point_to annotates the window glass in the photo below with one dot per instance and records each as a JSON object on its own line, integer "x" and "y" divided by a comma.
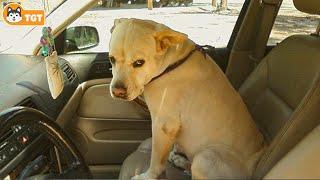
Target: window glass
{"x": 198, "y": 19}
{"x": 290, "y": 21}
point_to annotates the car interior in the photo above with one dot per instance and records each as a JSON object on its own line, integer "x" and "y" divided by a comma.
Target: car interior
{"x": 85, "y": 133}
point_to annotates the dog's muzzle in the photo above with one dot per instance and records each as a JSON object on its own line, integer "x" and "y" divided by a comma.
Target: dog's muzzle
{"x": 119, "y": 91}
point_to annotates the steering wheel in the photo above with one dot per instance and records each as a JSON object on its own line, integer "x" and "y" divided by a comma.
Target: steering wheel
{"x": 32, "y": 118}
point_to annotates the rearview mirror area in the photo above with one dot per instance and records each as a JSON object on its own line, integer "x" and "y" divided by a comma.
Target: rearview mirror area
{"x": 80, "y": 38}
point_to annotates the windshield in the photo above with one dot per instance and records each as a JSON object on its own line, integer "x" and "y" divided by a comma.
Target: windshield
{"x": 11, "y": 34}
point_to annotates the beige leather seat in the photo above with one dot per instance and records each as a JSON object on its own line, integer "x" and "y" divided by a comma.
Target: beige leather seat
{"x": 282, "y": 95}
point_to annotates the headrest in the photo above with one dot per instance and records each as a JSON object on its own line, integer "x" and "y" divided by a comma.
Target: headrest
{"x": 308, "y": 6}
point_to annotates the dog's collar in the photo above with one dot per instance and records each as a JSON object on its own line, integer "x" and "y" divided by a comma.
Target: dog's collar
{"x": 180, "y": 62}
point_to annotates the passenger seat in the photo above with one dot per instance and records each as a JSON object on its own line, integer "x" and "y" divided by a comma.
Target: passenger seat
{"x": 282, "y": 95}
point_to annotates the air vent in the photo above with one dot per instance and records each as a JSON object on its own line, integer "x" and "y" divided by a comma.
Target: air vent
{"x": 28, "y": 103}
{"x": 4, "y": 137}
{"x": 69, "y": 72}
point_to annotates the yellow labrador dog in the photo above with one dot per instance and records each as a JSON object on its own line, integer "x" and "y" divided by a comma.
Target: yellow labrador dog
{"x": 192, "y": 103}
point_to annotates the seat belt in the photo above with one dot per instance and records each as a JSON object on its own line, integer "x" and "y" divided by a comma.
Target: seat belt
{"x": 269, "y": 9}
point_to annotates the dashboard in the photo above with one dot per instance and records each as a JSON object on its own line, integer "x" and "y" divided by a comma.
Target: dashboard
{"x": 23, "y": 82}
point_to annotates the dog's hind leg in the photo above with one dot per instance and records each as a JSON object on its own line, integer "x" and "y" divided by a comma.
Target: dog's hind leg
{"x": 217, "y": 164}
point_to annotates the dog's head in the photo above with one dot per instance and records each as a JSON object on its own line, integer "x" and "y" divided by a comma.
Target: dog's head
{"x": 14, "y": 15}
{"x": 138, "y": 53}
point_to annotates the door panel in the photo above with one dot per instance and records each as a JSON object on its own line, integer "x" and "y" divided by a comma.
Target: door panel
{"x": 113, "y": 128}
{"x": 97, "y": 102}
{"x": 110, "y": 141}
{"x": 105, "y": 130}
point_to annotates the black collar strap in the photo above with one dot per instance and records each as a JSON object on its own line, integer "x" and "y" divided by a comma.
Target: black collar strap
{"x": 180, "y": 62}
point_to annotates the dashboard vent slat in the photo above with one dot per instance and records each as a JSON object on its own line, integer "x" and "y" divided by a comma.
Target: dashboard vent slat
{"x": 4, "y": 137}
{"x": 69, "y": 72}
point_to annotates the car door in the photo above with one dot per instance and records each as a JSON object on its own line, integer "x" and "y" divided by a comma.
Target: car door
{"x": 106, "y": 130}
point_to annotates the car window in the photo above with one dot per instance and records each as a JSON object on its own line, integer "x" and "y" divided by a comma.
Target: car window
{"x": 202, "y": 22}
{"x": 290, "y": 21}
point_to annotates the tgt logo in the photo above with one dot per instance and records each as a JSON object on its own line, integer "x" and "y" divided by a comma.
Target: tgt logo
{"x": 14, "y": 14}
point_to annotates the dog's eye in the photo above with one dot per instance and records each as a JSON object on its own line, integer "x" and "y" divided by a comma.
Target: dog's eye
{"x": 138, "y": 63}
{"x": 112, "y": 60}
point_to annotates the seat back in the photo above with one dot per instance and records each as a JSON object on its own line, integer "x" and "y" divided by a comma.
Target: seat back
{"x": 283, "y": 93}
{"x": 283, "y": 83}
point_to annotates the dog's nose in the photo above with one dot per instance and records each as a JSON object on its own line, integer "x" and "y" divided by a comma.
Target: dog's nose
{"x": 119, "y": 91}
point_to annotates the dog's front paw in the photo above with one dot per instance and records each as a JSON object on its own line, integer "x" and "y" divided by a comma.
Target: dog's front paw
{"x": 142, "y": 176}
{"x": 145, "y": 176}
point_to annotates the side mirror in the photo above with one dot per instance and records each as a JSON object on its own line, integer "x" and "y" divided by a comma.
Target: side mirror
{"x": 80, "y": 38}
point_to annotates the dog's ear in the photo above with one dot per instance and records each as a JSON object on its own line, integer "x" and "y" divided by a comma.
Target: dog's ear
{"x": 118, "y": 21}
{"x": 166, "y": 38}
{"x": 9, "y": 9}
{"x": 18, "y": 9}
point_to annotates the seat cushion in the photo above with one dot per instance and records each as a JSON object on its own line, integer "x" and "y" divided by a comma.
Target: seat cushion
{"x": 138, "y": 162}
{"x": 302, "y": 162}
